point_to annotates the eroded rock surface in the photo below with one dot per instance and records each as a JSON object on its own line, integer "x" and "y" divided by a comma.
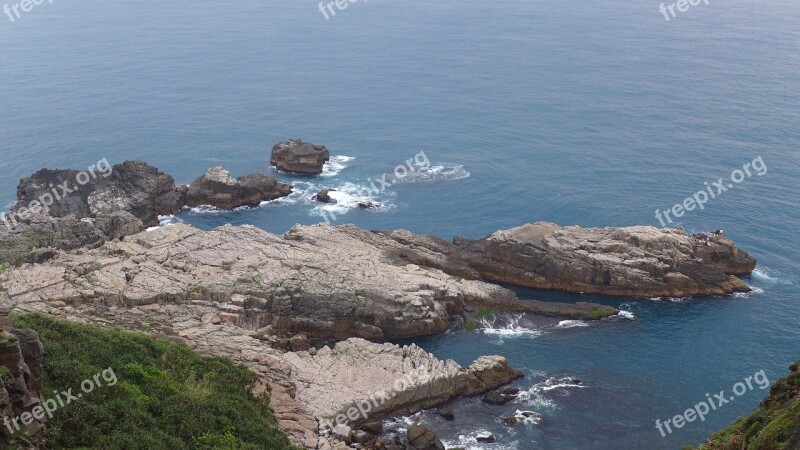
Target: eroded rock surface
{"x": 21, "y": 384}
{"x": 358, "y": 375}
{"x": 322, "y": 281}
{"x": 632, "y": 261}
{"x": 133, "y": 186}
{"x": 217, "y": 188}
{"x": 301, "y": 157}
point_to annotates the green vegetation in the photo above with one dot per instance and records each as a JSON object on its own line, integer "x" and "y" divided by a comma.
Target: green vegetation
{"x": 167, "y": 396}
{"x": 774, "y": 425}
{"x": 471, "y": 323}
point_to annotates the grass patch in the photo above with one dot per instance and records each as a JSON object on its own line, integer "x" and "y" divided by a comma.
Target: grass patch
{"x": 166, "y": 397}
{"x": 773, "y": 425}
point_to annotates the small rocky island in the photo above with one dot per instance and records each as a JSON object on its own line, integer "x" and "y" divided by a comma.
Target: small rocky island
{"x": 300, "y": 157}
{"x": 217, "y": 188}
{"x": 309, "y": 311}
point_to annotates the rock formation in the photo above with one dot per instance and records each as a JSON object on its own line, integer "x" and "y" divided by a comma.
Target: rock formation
{"x": 357, "y": 375}
{"x": 634, "y": 261}
{"x": 324, "y": 196}
{"x": 21, "y": 384}
{"x": 40, "y": 237}
{"x": 323, "y": 281}
{"x": 217, "y": 188}
{"x": 133, "y": 186}
{"x": 300, "y": 157}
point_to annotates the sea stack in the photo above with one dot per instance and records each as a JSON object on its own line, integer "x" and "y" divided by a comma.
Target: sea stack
{"x": 217, "y": 188}
{"x": 300, "y": 157}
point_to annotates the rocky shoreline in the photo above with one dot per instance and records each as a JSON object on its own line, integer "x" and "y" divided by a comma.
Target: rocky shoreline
{"x": 276, "y": 303}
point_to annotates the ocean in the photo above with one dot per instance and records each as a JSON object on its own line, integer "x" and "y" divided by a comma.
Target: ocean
{"x": 508, "y": 112}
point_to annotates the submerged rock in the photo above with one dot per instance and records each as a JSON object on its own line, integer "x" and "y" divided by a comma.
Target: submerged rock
{"x": 217, "y": 188}
{"x": 300, "y": 157}
{"x": 323, "y": 196}
{"x": 500, "y": 397}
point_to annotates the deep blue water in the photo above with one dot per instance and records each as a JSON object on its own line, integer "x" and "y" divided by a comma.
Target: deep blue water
{"x": 575, "y": 112}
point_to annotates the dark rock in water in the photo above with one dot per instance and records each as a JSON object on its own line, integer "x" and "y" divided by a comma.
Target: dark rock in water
{"x": 132, "y": 186}
{"x": 301, "y": 157}
{"x": 421, "y": 438}
{"x": 486, "y": 439}
{"x": 521, "y": 416}
{"x": 446, "y": 413}
{"x": 368, "y": 205}
{"x": 323, "y": 196}
{"x": 217, "y": 188}
{"x": 500, "y": 397}
{"x": 375, "y": 427}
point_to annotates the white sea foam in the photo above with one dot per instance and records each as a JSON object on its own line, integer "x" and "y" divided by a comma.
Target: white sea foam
{"x": 440, "y": 172}
{"x": 165, "y": 221}
{"x": 571, "y": 324}
{"x": 470, "y": 442}
{"x": 336, "y": 165}
{"x": 512, "y": 329}
{"x": 528, "y": 417}
{"x": 626, "y": 315}
{"x": 535, "y": 396}
{"x": 348, "y": 196}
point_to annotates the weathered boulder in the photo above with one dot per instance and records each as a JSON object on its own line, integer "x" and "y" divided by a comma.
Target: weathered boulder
{"x": 300, "y": 157}
{"x": 217, "y": 188}
{"x": 133, "y": 186}
{"x": 422, "y": 438}
{"x": 632, "y": 261}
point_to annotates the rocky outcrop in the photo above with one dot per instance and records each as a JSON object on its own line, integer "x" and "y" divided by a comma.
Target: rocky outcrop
{"x": 322, "y": 281}
{"x": 217, "y": 188}
{"x": 40, "y": 237}
{"x": 375, "y": 379}
{"x": 633, "y": 261}
{"x": 21, "y": 384}
{"x": 324, "y": 196}
{"x": 300, "y": 157}
{"x": 133, "y": 186}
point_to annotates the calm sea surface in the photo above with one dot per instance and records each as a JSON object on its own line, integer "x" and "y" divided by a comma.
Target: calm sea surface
{"x": 574, "y": 112}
